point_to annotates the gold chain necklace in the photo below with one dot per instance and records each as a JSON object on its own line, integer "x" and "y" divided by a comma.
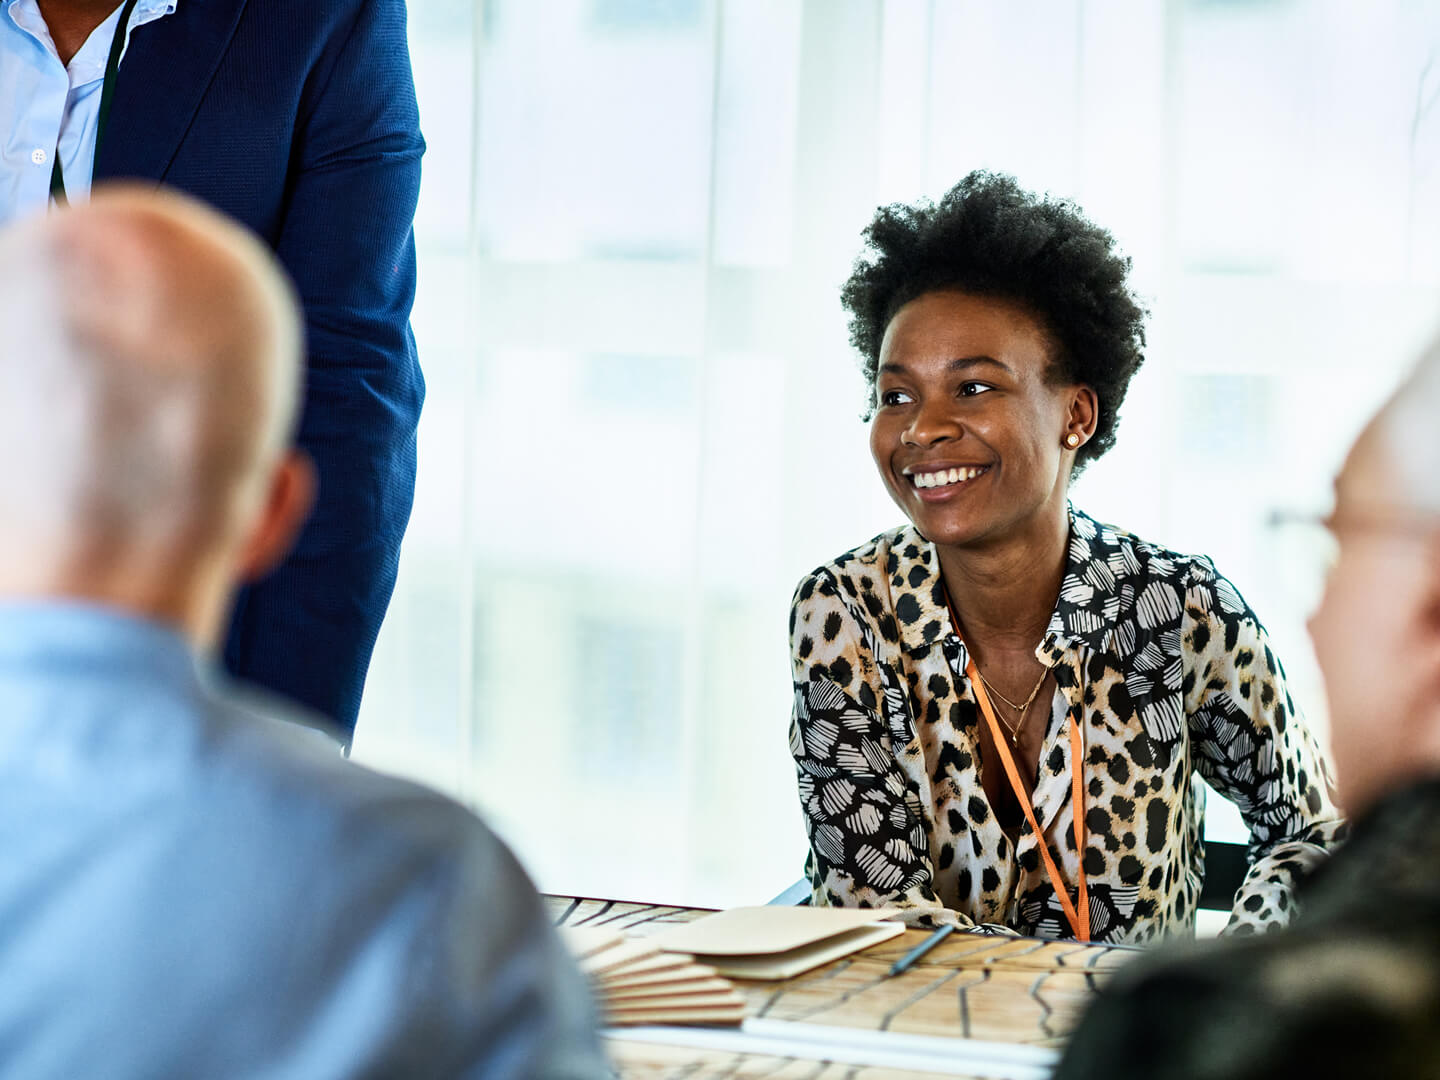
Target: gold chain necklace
{"x": 1018, "y": 708}
{"x": 1023, "y": 711}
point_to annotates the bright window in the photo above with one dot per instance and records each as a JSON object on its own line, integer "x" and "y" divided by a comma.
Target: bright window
{"x": 643, "y": 422}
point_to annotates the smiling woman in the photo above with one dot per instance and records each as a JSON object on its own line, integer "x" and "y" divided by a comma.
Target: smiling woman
{"x": 999, "y": 708}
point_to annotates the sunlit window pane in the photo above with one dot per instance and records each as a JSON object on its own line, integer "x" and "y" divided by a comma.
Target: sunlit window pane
{"x": 643, "y": 423}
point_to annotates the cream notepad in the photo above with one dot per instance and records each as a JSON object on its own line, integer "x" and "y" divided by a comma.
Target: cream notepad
{"x": 698, "y": 983}
{"x": 778, "y": 942}
{"x": 725, "y": 1015}
{"x": 587, "y": 941}
{"x": 636, "y": 983}
{"x": 661, "y": 967}
{"x": 617, "y": 957}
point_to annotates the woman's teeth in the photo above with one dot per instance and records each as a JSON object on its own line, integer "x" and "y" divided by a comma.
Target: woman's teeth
{"x": 946, "y": 476}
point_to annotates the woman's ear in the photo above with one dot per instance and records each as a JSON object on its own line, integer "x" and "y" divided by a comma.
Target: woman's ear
{"x": 287, "y": 505}
{"x": 1084, "y": 413}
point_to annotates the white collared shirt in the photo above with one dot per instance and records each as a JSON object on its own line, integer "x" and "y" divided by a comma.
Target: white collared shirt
{"x": 45, "y": 105}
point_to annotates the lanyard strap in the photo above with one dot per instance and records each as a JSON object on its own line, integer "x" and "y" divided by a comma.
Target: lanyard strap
{"x": 1079, "y": 918}
{"x": 107, "y": 92}
{"x": 1078, "y": 913}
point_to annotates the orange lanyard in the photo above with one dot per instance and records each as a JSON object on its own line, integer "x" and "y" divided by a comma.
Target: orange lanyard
{"x": 1079, "y": 920}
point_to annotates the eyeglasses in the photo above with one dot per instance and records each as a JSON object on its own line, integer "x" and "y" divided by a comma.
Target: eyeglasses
{"x": 1307, "y": 543}
{"x": 1419, "y": 525}
{"x": 1303, "y": 552}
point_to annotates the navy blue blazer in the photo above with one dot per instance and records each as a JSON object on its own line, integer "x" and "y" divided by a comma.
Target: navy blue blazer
{"x": 298, "y": 118}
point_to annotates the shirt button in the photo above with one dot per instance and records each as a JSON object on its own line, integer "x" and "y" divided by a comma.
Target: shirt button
{"x": 38, "y": 156}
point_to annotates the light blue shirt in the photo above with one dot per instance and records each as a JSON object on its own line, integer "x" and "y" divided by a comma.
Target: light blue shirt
{"x": 192, "y": 886}
{"x": 43, "y": 105}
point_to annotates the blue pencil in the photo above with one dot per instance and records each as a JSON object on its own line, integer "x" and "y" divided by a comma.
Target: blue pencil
{"x": 908, "y": 960}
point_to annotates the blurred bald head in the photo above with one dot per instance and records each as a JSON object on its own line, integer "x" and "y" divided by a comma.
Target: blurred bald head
{"x": 148, "y": 388}
{"x": 1377, "y": 630}
{"x": 1406, "y": 434}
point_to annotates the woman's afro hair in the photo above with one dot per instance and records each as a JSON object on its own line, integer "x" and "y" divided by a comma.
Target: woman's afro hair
{"x": 989, "y": 237}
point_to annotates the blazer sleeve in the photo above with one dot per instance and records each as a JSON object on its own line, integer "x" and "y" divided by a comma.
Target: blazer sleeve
{"x": 868, "y": 839}
{"x": 346, "y": 239}
{"x": 1252, "y": 745}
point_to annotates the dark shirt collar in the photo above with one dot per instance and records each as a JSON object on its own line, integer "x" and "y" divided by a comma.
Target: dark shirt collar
{"x": 1088, "y": 607}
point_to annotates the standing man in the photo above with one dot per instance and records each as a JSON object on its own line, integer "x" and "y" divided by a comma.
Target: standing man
{"x": 297, "y": 118}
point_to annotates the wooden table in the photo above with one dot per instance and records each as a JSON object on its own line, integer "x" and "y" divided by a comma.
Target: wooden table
{"x": 1016, "y": 991}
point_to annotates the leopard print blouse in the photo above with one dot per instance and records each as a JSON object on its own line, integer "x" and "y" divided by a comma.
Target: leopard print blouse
{"x": 1168, "y": 673}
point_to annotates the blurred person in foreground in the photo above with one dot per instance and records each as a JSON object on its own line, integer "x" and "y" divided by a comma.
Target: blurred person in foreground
{"x": 192, "y": 886}
{"x": 1001, "y": 708}
{"x": 1352, "y": 989}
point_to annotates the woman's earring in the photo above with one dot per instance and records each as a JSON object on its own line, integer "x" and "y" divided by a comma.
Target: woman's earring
{"x": 1072, "y": 441}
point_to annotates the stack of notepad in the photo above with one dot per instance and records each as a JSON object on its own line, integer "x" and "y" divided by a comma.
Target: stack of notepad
{"x": 773, "y": 943}
{"x": 637, "y": 982}
{"x": 678, "y": 975}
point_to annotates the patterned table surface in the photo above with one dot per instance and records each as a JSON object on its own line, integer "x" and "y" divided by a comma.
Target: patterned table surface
{"x": 1007, "y": 990}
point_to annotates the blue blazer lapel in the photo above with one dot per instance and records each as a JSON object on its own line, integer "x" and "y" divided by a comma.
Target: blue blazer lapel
{"x": 166, "y": 70}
